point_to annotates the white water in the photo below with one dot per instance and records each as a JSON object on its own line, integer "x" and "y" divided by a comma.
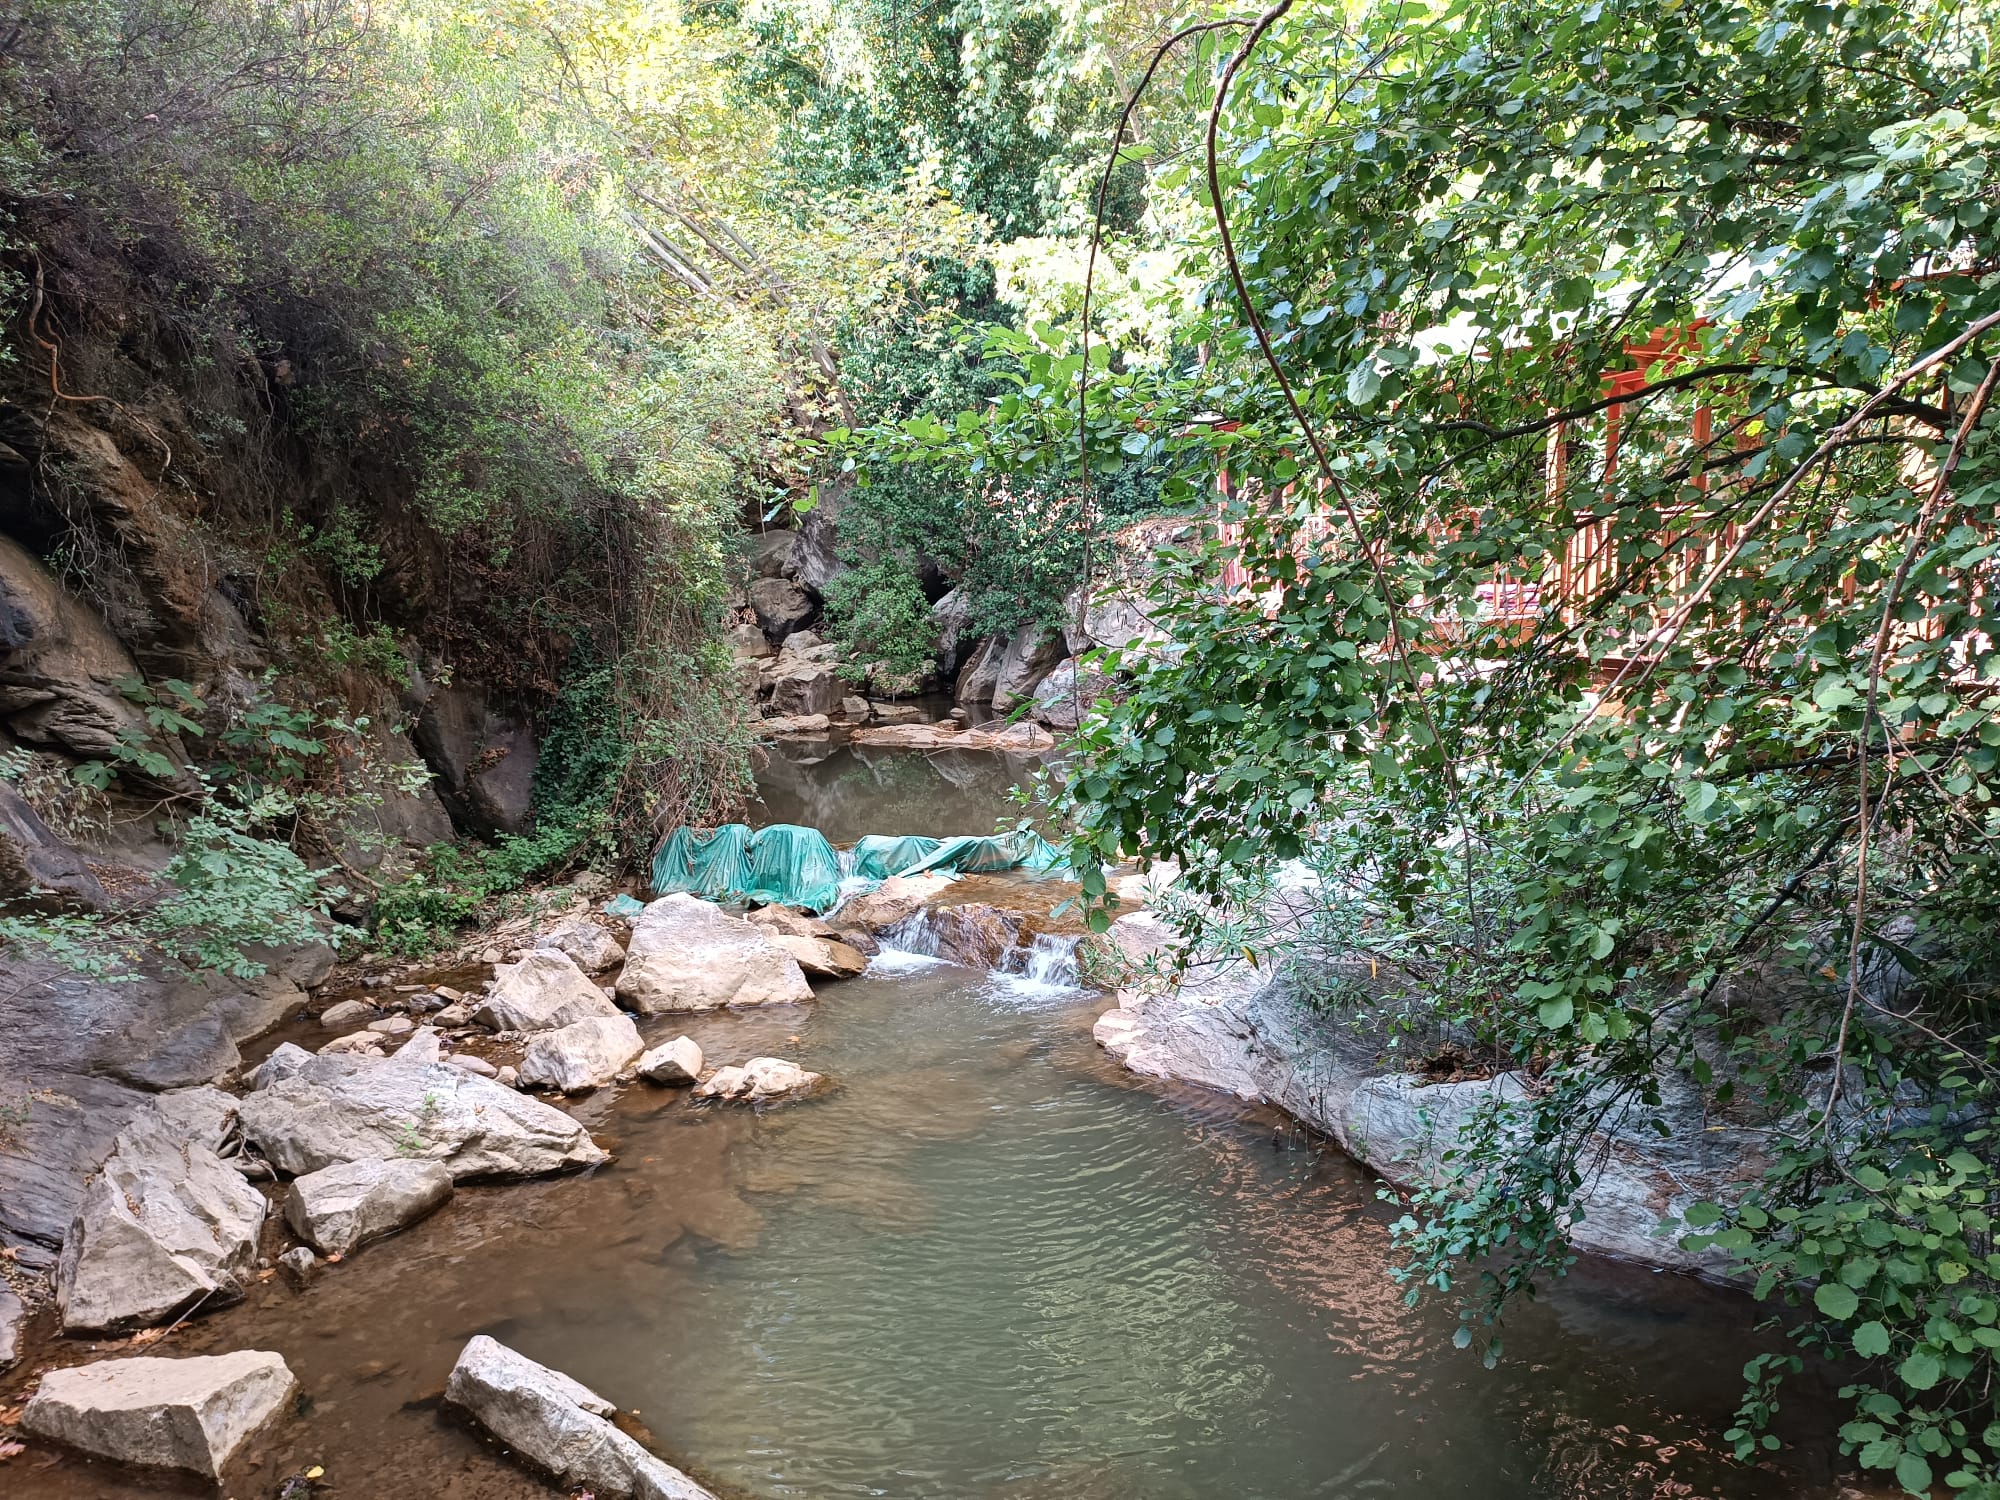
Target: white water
{"x": 1042, "y": 969}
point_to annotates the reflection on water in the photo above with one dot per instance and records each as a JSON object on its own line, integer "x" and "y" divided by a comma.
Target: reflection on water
{"x": 987, "y": 1264}
{"x": 847, "y": 791}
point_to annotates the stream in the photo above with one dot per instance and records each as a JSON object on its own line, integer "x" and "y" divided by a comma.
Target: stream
{"x": 989, "y": 1263}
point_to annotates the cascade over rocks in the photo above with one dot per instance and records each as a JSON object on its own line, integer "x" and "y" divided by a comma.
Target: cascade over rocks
{"x": 338, "y": 1109}
{"x": 559, "y": 1426}
{"x": 689, "y": 954}
{"x": 191, "y": 1414}
{"x": 895, "y": 899}
{"x": 543, "y": 991}
{"x": 165, "y": 1224}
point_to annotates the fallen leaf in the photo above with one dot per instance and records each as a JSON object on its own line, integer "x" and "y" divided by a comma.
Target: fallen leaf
{"x": 147, "y": 1336}
{"x": 8, "y": 1449}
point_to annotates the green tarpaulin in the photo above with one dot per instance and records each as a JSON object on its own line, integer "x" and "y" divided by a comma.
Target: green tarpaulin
{"x": 780, "y": 865}
{"x": 785, "y": 865}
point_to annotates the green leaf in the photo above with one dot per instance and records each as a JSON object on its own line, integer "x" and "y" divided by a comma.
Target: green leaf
{"x": 1836, "y": 1301}
{"x": 1871, "y": 1340}
{"x": 1920, "y": 1371}
{"x": 1913, "y": 1474}
{"x": 1556, "y": 1013}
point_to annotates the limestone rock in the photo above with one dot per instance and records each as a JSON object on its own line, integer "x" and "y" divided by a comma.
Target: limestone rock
{"x": 393, "y": 1026}
{"x": 689, "y": 954}
{"x": 472, "y": 1064}
{"x": 165, "y": 1223}
{"x": 823, "y": 958}
{"x": 855, "y": 709}
{"x": 298, "y": 1266}
{"x": 358, "y": 1043}
{"x": 339, "y": 1207}
{"x": 974, "y": 934}
{"x": 1019, "y": 739}
{"x": 1031, "y": 655}
{"x": 589, "y": 946}
{"x": 190, "y": 1414}
{"x": 543, "y": 991}
{"x": 895, "y": 899}
{"x": 582, "y": 1055}
{"x": 12, "y": 1316}
{"x": 783, "y": 919}
{"x": 674, "y": 1063}
{"x": 559, "y": 1426}
{"x": 201, "y": 1052}
{"x": 772, "y": 555}
{"x": 759, "y": 1079}
{"x": 781, "y": 606}
{"x": 341, "y": 1109}
{"x": 483, "y": 757}
{"x": 796, "y": 726}
{"x": 981, "y": 671}
{"x": 748, "y": 643}
{"x": 801, "y": 688}
{"x": 344, "y": 1013}
{"x": 33, "y": 861}
{"x": 286, "y": 1060}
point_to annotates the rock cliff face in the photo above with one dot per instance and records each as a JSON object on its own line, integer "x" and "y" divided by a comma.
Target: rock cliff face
{"x": 1245, "y": 1031}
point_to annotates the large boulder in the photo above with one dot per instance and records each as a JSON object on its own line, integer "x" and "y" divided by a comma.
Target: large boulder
{"x": 949, "y": 616}
{"x": 823, "y": 958}
{"x": 590, "y": 947}
{"x": 63, "y": 671}
{"x": 1031, "y": 655}
{"x": 190, "y": 1414}
{"x": 482, "y": 756}
{"x": 165, "y": 1225}
{"x": 582, "y": 1055}
{"x": 1060, "y": 701}
{"x": 759, "y": 1080}
{"x": 771, "y": 554}
{"x": 338, "y": 1208}
{"x": 783, "y": 920}
{"x": 13, "y": 1314}
{"x": 799, "y": 688}
{"x": 33, "y": 861}
{"x": 543, "y": 991}
{"x": 977, "y": 678}
{"x": 781, "y": 606}
{"x": 559, "y": 1426}
{"x": 689, "y": 954}
{"x": 348, "y": 1108}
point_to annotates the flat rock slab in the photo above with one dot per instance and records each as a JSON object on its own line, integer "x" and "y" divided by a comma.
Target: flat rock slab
{"x": 190, "y": 1414}
{"x": 346, "y": 1108}
{"x": 165, "y": 1224}
{"x": 543, "y": 991}
{"x": 338, "y": 1208}
{"x": 582, "y": 1055}
{"x": 559, "y": 1426}
{"x": 689, "y": 954}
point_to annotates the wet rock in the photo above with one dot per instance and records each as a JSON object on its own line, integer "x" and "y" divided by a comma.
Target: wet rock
{"x": 589, "y": 946}
{"x": 286, "y": 1060}
{"x": 190, "y": 1414}
{"x": 796, "y": 726}
{"x": 897, "y": 898}
{"x": 897, "y": 713}
{"x": 338, "y": 1208}
{"x": 689, "y": 954}
{"x": 1031, "y": 655}
{"x": 759, "y": 1079}
{"x": 12, "y": 1315}
{"x": 1114, "y": 1031}
{"x": 674, "y": 1063}
{"x": 33, "y": 861}
{"x": 974, "y": 934}
{"x": 800, "y": 688}
{"x": 472, "y": 1064}
{"x": 861, "y": 942}
{"x": 855, "y": 709}
{"x": 164, "y": 1225}
{"x": 543, "y": 991}
{"x": 781, "y": 606}
{"x": 559, "y": 1426}
{"x": 341, "y": 1109}
{"x": 582, "y": 1055}
{"x": 393, "y": 1026}
{"x": 343, "y": 1013}
{"x": 201, "y": 1052}
{"x": 823, "y": 958}
{"x": 784, "y": 919}
{"x": 298, "y": 1266}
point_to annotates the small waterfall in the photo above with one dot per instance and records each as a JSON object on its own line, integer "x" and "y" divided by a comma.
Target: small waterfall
{"x": 914, "y": 934}
{"x": 1050, "y": 959}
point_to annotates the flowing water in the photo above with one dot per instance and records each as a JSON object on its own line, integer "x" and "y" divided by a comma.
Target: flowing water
{"x": 986, "y": 1264}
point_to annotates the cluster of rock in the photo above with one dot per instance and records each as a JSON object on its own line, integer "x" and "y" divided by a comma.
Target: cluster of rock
{"x": 1252, "y": 1032}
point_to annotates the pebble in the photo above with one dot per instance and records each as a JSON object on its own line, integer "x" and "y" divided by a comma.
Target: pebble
{"x": 408, "y": 989}
{"x": 449, "y": 995}
{"x": 298, "y": 1264}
